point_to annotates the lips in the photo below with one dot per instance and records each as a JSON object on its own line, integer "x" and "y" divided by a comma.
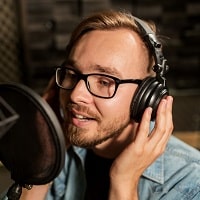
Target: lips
{"x": 82, "y": 117}
{"x": 81, "y": 120}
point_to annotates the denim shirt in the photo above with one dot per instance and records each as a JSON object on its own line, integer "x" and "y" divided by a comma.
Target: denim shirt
{"x": 174, "y": 175}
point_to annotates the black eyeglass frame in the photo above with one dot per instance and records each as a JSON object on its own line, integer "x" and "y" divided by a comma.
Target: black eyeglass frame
{"x": 85, "y": 77}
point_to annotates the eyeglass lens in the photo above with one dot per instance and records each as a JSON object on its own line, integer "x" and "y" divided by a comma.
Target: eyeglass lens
{"x": 97, "y": 84}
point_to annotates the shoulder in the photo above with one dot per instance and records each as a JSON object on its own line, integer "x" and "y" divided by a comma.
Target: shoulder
{"x": 178, "y": 150}
{"x": 177, "y": 173}
{"x": 181, "y": 160}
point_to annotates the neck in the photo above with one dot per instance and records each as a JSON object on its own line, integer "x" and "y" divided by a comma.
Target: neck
{"x": 114, "y": 146}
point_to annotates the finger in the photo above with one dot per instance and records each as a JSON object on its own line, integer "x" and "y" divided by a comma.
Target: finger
{"x": 51, "y": 95}
{"x": 169, "y": 121}
{"x": 143, "y": 130}
{"x": 160, "y": 123}
{"x": 50, "y": 89}
{"x": 164, "y": 126}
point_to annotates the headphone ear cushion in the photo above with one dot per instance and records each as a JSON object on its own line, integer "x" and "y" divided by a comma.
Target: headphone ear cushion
{"x": 148, "y": 94}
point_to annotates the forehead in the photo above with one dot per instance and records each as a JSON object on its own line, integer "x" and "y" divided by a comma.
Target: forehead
{"x": 121, "y": 50}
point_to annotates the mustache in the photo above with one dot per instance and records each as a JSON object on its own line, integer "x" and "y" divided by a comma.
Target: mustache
{"x": 83, "y": 109}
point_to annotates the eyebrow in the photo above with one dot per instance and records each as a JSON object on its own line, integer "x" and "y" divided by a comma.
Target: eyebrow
{"x": 96, "y": 67}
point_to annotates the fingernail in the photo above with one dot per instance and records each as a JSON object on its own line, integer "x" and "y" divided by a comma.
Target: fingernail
{"x": 150, "y": 110}
{"x": 164, "y": 103}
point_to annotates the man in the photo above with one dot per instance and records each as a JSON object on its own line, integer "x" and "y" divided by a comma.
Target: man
{"x": 110, "y": 154}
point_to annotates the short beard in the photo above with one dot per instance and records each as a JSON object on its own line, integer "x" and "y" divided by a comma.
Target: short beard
{"x": 112, "y": 129}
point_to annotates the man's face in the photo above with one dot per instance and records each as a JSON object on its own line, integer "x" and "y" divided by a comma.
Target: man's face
{"x": 91, "y": 120}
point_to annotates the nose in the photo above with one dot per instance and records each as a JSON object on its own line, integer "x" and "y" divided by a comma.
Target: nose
{"x": 81, "y": 94}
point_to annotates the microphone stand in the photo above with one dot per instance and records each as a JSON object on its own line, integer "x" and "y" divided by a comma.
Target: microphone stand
{"x": 15, "y": 191}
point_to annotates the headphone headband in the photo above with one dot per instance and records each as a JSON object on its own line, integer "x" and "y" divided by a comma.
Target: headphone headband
{"x": 152, "y": 89}
{"x": 160, "y": 66}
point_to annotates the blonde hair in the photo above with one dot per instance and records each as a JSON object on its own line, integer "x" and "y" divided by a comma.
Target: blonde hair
{"x": 109, "y": 20}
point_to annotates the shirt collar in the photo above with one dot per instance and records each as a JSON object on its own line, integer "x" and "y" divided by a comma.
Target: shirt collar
{"x": 155, "y": 171}
{"x": 81, "y": 153}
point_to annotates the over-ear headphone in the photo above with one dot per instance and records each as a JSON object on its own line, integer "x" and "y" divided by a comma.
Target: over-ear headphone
{"x": 152, "y": 89}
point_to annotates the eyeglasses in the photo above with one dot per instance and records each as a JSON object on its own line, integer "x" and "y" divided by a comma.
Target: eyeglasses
{"x": 99, "y": 85}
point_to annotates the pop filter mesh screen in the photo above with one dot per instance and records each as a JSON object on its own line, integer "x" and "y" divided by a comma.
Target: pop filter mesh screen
{"x": 33, "y": 149}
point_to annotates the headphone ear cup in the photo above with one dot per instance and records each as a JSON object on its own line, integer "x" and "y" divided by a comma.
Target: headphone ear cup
{"x": 148, "y": 94}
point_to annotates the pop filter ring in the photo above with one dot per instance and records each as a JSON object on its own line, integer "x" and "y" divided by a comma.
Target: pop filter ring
{"x": 52, "y": 122}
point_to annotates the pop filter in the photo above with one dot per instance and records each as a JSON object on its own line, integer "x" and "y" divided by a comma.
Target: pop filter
{"x": 33, "y": 149}
{"x": 8, "y": 117}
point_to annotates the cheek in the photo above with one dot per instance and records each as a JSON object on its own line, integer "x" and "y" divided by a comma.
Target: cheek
{"x": 119, "y": 104}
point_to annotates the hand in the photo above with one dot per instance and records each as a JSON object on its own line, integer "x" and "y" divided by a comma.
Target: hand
{"x": 51, "y": 95}
{"x": 141, "y": 152}
{"x": 37, "y": 192}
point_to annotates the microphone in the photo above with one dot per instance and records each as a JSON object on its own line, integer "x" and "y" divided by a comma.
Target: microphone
{"x": 32, "y": 144}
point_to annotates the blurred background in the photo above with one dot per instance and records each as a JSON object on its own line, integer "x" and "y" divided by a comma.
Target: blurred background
{"x": 34, "y": 34}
